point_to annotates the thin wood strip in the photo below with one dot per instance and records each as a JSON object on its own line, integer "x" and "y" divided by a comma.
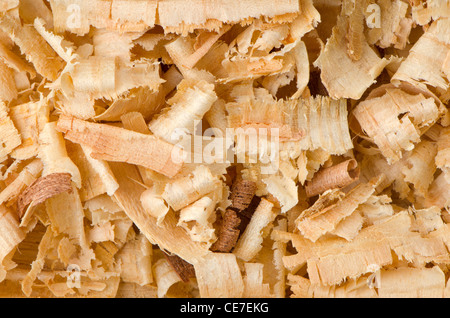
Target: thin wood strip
{"x": 121, "y": 145}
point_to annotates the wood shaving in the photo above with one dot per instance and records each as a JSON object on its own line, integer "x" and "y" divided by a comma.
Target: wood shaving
{"x": 224, "y": 149}
{"x": 338, "y": 176}
{"x": 43, "y": 189}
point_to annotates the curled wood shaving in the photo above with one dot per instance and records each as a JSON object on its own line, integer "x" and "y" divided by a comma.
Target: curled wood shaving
{"x": 154, "y": 204}
{"x": 163, "y": 235}
{"x": 353, "y": 288}
{"x": 338, "y": 176}
{"x": 25, "y": 178}
{"x": 29, "y": 119}
{"x": 211, "y": 19}
{"x": 228, "y": 232}
{"x": 296, "y": 121}
{"x": 185, "y": 190}
{"x": 415, "y": 70}
{"x": 400, "y": 122}
{"x": 167, "y": 278}
{"x": 53, "y": 154}
{"x": 183, "y": 268}
{"x": 334, "y": 61}
{"x": 250, "y": 242}
{"x": 36, "y": 49}
{"x": 189, "y": 104}
{"x": 43, "y": 189}
{"x": 242, "y": 193}
{"x": 198, "y": 218}
{"x": 318, "y": 220}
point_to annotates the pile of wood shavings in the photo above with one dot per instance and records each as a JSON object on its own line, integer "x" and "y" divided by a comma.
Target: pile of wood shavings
{"x": 97, "y": 201}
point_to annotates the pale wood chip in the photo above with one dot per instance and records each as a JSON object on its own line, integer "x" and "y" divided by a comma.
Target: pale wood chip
{"x": 306, "y": 21}
{"x": 9, "y": 135}
{"x": 367, "y": 252}
{"x": 424, "y": 12}
{"x": 142, "y": 99}
{"x": 119, "y": 15}
{"x": 185, "y": 190}
{"x": 101, "y": 233}
{"x": 15, "y": 62}
{"x": 420, "y": 166}
{"x": 438, "y": 193}
{"x": 295, "y": 120}
{"x": 334, "y": 62}
{"x": 154, "y": 204}
{"x": 218, "y": 276}
{"x": 353, "y": 288}
{"x": 29, "y": 119}
{"x": 442, "y": 158}
{"x": 427, "y": 220}
{"x": 96, "y": 176}
{"x": 349, "y": 227}
{"x": 8, "y": 90}
{"x": 253, "y": 282}
{"x": 186, "y": 52}
{"x": 104, "y": 77}
{"x": 29, "y": 10}
{"x": 135, "y": 260}
{"x": 11, "y": 235}
{"x": 406, "y": 282}
{"x": 284, "y": 190}
{"x": 198, "y": 218}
